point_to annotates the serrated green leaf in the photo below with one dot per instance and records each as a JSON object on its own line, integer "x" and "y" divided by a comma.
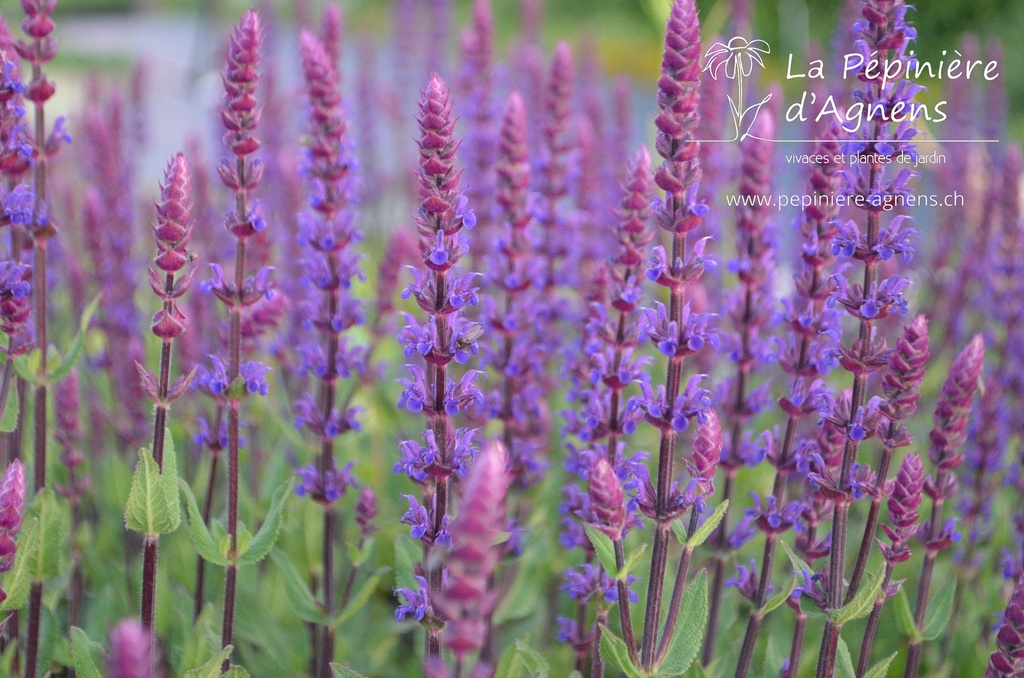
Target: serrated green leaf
{"x": 905, "y": 617}
{"x": 881, "y": 669}
{"x": 798, "y": 563}
{"x": 844, "y": 662}
{"x": 779, "y": 598}
{"x": 201, "y": 538}
{"x": 302, "y": 602}
{"x": 339, "y": 671}
{"x": 604, "y": 548}
{"x": 690, "y": 626}
{"x": 631, "y": 562}
{"x": 701, "y": 534}
{"x": 54, "y": 527}
{"x": 615, "y": 653}
{"x": 18, "y": 582}
{"x": 407, "y": 553}
{"x": 862, "y": 602}
{"x": 939, "y": 609}
{"x": 67, "y": 363}
{"x": 9, "y": 421}
{"x": 357, "y": 601}
{"x": 85, "y": 655}
{"x": 153, "y": 507}
{"x": 267, "y": 535}
{"x": 535, "y": 664}
{"x": 211, "y": 669}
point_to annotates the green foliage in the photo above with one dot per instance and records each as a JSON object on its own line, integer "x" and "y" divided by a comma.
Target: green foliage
{"x": 9, "y": 420}
{"x": 85, "y": 655}
{"x": 260, "y": 545}
{"x": 603, "y": 547}
{"x": 201, "y": 537}
{"x": 689, "y": 633}
{"x": 153, "y": 506}
{"x": 701, "y": 534}
{"x": 339, "y": 671}
{"x": 939, "y": 609}
{"x": 860, "y": 605}
{"x": 881, "y": 669}
{"x": 615, "y": 653}
{"x": 905, "y": 616}
{"x": 536, "y": 666}
{"x": 844, "y": 662}
{"x": 18, "y": 581}
{"x": 302, "y": 601}
{"x": 211, "y": 669}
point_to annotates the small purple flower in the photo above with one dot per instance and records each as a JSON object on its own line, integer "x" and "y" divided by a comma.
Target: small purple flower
{"x": 415, "y": 602}
{"x": 253, "y": 374}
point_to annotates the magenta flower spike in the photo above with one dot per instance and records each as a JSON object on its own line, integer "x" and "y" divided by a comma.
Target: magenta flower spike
{"x": 131, "y": 653}
{"x": 12, "y": 508}
{"x": 1007, "y": 660}
{"x": 468, "y": 596}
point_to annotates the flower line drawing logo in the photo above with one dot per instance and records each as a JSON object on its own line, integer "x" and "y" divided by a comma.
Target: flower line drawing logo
{"x": 737, "y": 59}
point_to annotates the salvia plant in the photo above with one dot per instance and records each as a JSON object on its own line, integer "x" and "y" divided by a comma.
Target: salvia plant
{"x": 485, "y": 383}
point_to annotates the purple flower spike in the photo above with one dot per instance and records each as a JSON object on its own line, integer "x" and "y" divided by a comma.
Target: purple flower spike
{"x": 1008, "y": 659}
{"x": 953, "y": 409}
{"x": 172, "y": 230}
{"x": 903, "y": 504}
{"x": 607, "y": 500}
{"x": 12, "y": 508}
{"x": 240, "y": 112}
{"x": 468, "y": 598}
{"x": 130, "y": 651}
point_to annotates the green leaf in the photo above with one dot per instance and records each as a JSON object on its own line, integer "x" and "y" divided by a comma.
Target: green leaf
{"x": 862, "y": 602}
{"x": 939, "y": 609}
{"x": 798, "y": 563}
{"x": 844, "y": 662}
{"x": 615, "y": 653}
{"x": 358, "y": 555}
{"x": 302, "y": 601}
{"x": 18, "y": 582}
{"x": 604, "y": 548}
{"x": 535, "y": 664}
{"x": 881, "y": 669}
{"x": 237, "y": 672}
{"x": 408, "y": 552}
{"x": 153, "y": 507}
{"x": 357, "y": 601}
{"x": 85, "y": 655}
{"x": 702, "y": 533}
{"x": 54, "y": 527}
{"x": 67, "y": 363}
{"x": 9, "y": 421}
{"x": 779, "y": 598}
{"x": 905, "y": 617}
{"x": 210, "y": 669}
{"x": 267, "y": 535}
{"x": 773, "y": 659}
{"x": 339, "y": 671}
{"x": 197, "y": 529}
{"x": 690, "y": 626}
{"x": 27, "y": 366}
{"x": 631, "y": 562}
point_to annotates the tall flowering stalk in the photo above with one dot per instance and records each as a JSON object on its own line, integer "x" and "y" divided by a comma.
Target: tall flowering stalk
{"x": 469, "y": 596}
{"x": 329, "y": 234}
{"x": 476, "y": 88}
{"x": 172, "y": 231}
{"x": 39, "y": 49}
{"x": 947, "y": 437}
{"x": 904, "y": 499}
{"x": 513, "y": 351}
{"x": 808, "y": 319}
{"x": 901, "y": 385}
{"x": 676, "y": 331}
{"x": 240, "y": 114}
{"x": 442, "y": 291}
{"x": 68, "y": 433}
{"x": 884, "y": 29}
{"x": 608, "y": 364}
